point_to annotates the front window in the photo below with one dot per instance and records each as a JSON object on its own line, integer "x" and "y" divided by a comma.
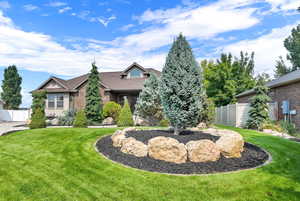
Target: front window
{"x": 51, "y": 101}
{"x": 55, "y": 101}
{"x": 60, "y": 101}
{"x": 135, "y": 73}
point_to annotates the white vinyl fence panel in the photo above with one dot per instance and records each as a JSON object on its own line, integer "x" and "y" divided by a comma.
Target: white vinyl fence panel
{"x": 237, "y": 114}
{"x": 14, "y": 115}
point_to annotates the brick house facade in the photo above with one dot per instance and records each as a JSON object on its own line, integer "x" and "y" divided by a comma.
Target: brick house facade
{"x": 285, "y": 88}
{"x": 63, "y": 95}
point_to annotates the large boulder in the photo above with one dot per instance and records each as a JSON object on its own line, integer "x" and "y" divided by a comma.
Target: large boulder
{"x": 202, "y": 151}
{"x": 211, "y": 131}
{"x": 108, "y": 121}
{"x": 134, "y": 147}
{"x": 231, "y": 145}
{"x": 117, "y": 138}
{"x": 129, "y": 129}
{"x": 167, "y": 149}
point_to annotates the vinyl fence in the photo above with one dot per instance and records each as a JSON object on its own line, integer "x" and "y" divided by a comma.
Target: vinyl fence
{"x": 237, "y": 114}
{"x": 14, "y": 115}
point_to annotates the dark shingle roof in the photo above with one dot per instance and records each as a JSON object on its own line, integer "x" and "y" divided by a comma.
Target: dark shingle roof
{"x": 283, "y": 80}
{"x": 110, "y": 80}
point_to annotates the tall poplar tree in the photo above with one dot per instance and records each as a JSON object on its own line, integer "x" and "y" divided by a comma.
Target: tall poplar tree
{"x": 93, "y": 107}
{"x": 181, "y": 86}
{"x": 292, "y": 44}
{"x": 11, "y": 88}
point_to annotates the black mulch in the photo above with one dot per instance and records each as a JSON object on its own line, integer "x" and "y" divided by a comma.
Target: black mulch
{"x": 252, "y": 155}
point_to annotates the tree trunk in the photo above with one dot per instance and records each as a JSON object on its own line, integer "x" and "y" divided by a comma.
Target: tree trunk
{"x": 176, "y": 130}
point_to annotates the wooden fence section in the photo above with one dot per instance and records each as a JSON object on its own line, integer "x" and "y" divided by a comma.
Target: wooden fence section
{"x": 237, "y": 114}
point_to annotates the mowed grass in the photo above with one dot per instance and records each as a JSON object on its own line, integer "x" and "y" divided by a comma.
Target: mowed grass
{"x": 62, "y": 164}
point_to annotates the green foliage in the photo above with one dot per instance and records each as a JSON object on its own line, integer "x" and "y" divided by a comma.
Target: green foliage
{"x": 292, "y": 44}
{"x": 228, "y": 77}
{"x": 288, "y": 127}
{"x": 208, "y": 112}
{"x": 273, "y": 126}
{"x": 80, "y": 120}
{"x": 125, "y": 117}
{"x": 164, "y": 123}
{"x": 38, "y": 119}
{"x": 93, "y": 107}
{"x": 38, "y": 102}
{"x": 181, "y": 87}
{"x": 148, "y": 105}
{"x": 112, "y": 109}
{"x": 67, "y": 118}
{"x": 11, "y": 88}
{"x": 281, "y": 68}
{"x": 259, "y": 111}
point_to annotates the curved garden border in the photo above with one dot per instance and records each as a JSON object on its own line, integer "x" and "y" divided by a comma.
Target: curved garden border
{"x": 266, "y": 162}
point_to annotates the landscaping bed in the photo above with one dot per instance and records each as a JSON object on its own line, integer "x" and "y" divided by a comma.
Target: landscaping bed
{"x": 252, "y": 156}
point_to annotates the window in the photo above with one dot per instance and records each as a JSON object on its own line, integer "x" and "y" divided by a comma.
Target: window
{"x": 51, "y": 101}
{"x": 55, "y": 101}
{"x": 135, "y": 73}
{"x": 60, "y": 101}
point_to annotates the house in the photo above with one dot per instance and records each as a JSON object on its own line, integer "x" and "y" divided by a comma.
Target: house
{"x": 285, "y": 91}
{"x": 63, "y": 95}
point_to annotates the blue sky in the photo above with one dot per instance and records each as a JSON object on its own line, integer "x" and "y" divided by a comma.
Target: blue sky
{"x": 62, "y": 38}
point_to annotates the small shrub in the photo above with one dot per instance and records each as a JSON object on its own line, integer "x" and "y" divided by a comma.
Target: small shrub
{"x": 288, "y": 127}
{"x": 38, "y": 119}
{"x": 164, "y": 123}
{"x": 273, "y": 126}
{"x": 112, "y": 109}
{"x": 80, "y": 120}
{"x": 67, "y": 118}
{"x": 125, "y": 117}
{"x": 208, "y": 112}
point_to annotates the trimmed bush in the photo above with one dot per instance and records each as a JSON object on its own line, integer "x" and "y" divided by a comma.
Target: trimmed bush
{"x": 67, "y": 118}
{"x": 125, "y": 117}
{"x": 80, "y": 120}
{"x": 164, "y": 123}
{"x": 38, "y": 119}
{"x": 112, "y": 109}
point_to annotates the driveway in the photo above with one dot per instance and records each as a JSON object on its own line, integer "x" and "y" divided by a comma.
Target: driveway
{"x": 11, "y": 126}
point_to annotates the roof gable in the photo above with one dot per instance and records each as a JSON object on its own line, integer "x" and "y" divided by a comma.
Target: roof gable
{"x": 56, "y": 83}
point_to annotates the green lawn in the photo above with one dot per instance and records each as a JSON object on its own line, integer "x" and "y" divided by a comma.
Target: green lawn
{"x": 62, "y": 164}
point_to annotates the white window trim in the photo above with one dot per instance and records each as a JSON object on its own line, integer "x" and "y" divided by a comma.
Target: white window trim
{"x": 55, "y": 102}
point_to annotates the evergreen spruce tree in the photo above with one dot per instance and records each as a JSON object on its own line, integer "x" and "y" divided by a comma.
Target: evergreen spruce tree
{"x": 125, "y": 117}
{"x": 38, "y": 101}
{"x": 148, "y": 105}
{"x": 93, "y": 108}
{"x": 181, "y": 86}
{"x": 11, "y": 88}
{"x": 259, "y": 111}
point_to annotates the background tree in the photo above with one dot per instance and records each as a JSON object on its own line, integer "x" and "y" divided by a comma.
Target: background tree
{"x": 11, "y": 88}
{"x": 228, "y": 76}
{"x": 148, "y": 105}
{"x": 281, "y": 68}
{"x": 181, "y": 86}
{"x": 93, "y": 107}
{"x": 125, "y": 117}
{"x": 259, "y": 111}
{"x": 292, "y": 44}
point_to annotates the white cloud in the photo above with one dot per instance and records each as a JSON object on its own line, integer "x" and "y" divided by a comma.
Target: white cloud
{"x": 105, "y": 22}
{"x": 4, "y": 5}
{"x": 65, "y": 9}
{"x": 126, "y": 27}
{"x": 267, "y": 48}
{"x": 56, "y": 4}
{"x": 30, "y": 7}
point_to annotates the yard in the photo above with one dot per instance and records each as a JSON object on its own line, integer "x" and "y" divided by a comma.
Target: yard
{"x": 62, "y": 164}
